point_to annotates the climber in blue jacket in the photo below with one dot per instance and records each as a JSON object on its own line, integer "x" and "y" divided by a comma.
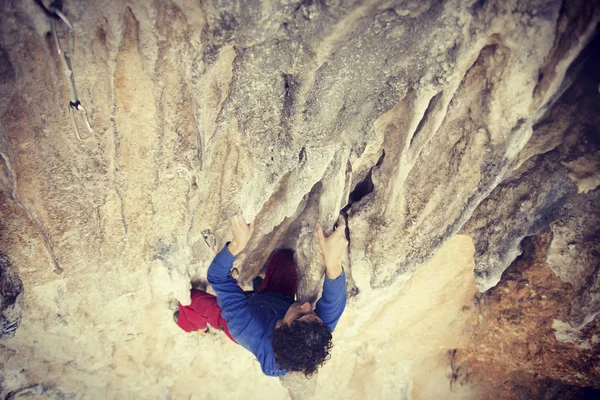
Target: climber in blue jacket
{"x": 284, "y": 335}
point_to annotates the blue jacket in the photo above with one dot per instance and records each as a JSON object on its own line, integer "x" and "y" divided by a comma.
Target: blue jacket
{"x": 251, "y": 320}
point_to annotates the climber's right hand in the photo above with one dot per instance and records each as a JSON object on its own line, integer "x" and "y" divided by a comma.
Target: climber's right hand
{"x": 333, "y": 247}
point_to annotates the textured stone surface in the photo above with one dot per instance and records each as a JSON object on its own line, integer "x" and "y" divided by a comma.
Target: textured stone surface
{"x": 513, "y": 211}
{"x": 574, "y": 254}
{"x": 522, "y": 346}
{"x": 11, "y": 290}
{"x": 275, "y": 110}
{"x": 566, "y": 197}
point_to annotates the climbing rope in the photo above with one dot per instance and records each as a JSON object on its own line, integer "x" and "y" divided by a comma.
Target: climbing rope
{"x": 74, "y": 103}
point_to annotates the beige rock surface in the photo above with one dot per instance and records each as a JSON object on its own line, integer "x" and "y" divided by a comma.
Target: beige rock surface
{"x": 394, "y": 343}
{"x": 278, "y": 111}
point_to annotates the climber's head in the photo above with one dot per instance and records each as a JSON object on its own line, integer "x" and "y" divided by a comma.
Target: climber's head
{"x": 301, "y": 341}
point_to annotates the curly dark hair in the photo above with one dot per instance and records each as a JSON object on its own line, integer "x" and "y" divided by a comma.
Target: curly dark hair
{"x": 302, "y": 346}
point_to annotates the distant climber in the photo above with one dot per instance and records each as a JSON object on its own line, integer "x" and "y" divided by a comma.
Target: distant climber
{"x": 283, "y": 335}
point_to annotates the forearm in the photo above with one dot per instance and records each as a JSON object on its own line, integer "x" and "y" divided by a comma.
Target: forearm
{"x": 333, "y": 248}
{"x": 220, "y": 267}
{"x": 332, "y": 303}
{"x": 230, "y": 296}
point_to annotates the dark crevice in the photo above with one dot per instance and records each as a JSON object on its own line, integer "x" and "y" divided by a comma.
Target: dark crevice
{"x": 56, "y": 4}
{"x": 365, "y": 186}
{"x": 302, "y": 155}
{"x": 290, "y": 87}
{"x": 362, "y": 189}
{"x": 478, "y": 7}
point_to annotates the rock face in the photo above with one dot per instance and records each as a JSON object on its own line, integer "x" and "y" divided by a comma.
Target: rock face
{"x": 446, "y": 116}
{"x": 566, "y": 197}
{"x": 11, "y": 289}
{"x": 542, "y": 357}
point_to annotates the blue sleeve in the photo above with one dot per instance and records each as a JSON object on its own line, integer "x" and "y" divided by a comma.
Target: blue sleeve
{"x": 230, "y": 296}
{"x": 333, "y": 300}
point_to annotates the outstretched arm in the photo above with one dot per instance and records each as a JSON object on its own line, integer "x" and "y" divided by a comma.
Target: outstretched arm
{"x": 333, "y": 300}
{"x": 230, "y": 296}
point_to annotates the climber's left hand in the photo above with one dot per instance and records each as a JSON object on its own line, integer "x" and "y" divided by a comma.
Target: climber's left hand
{"x": 241, "y": 234}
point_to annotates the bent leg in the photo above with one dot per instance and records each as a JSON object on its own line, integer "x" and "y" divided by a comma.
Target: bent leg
{"x": 281, "y": 276}
{"x": 203, "y": 309}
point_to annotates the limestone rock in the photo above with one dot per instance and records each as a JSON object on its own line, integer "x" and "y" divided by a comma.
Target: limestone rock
{"x": 513, "y": 211}
{"x": 11, "y": 299}
{"x": 565, "y": 199}
{"x": 277, "y": 111}
{"x": 574, "y": 254}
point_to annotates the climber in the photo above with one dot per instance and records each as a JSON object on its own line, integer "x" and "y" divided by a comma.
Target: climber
{"x": 283, "y": 335}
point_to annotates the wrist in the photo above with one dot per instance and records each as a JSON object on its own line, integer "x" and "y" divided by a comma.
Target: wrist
{"x": 234, "y": 248}
{"x": 333, "y": 271}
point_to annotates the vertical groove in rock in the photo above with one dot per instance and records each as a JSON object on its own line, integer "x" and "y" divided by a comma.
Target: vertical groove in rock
{"x": 426, "y": 116}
